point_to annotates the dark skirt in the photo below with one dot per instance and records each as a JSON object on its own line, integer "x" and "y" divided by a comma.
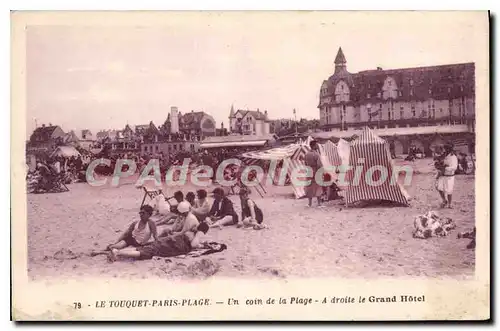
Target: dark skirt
{"x": 166, "y": 247}
{"x": 258, "y": 213}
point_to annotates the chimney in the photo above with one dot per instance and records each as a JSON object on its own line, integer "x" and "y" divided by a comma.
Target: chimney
{"x": 174, "y": 115}
{"x": 43, "y": 125}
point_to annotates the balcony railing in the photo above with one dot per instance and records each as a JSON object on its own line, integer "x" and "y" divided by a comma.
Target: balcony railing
{"x": 412, "y": 122}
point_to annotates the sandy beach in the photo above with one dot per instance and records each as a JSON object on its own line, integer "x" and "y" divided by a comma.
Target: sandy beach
{"x": 371, "y": 242}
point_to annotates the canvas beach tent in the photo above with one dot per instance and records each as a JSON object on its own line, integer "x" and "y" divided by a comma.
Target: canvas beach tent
{"x": 278, "y": 153}
{"x": 282, "y": 153}
{"x": 329, "y": 158}
{"x": 65, "y": 151}
{"x": 374, "y": 151}
{"x": 343, "y": 148}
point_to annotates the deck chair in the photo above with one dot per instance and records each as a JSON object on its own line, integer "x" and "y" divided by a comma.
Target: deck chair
{"x": 235, "y": 189}
{"x": 151, "y": 194}
{"x": 59, "y": 182}
{"x": 52, "y": 184}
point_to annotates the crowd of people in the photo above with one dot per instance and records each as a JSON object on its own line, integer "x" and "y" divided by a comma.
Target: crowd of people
{"x": 178, "y": 225}
{"x": 50, "y": 172}
{"x": 166, "y": 160}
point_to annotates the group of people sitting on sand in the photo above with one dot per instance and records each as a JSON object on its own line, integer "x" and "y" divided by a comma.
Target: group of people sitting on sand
{"x": 184, "y": 223}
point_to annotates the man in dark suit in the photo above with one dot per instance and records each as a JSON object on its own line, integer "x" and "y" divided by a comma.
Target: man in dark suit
{"x": 222, "y": 212}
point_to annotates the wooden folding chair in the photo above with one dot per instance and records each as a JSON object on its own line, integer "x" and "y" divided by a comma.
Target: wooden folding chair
{"x": 152, "y": 194}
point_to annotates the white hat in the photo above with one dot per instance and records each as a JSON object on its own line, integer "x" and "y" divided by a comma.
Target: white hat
{"x": 183, "y": 207}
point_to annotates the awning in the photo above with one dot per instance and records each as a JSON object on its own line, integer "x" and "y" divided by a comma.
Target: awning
{"x": 256, "y": 143}
{"x": 278, "y": 153}
{"x": 459, "y": 128}
{"x": 65, "y": 151}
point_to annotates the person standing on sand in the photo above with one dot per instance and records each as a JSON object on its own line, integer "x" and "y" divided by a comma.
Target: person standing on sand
{"x": 313, "y": 160}
{"x": 137, "y": 234}
{"x": 177, "y": 244}
{"x": 446, "y": 177}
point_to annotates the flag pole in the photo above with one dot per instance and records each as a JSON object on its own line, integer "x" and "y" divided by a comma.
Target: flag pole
{"x": 296, "y": 124}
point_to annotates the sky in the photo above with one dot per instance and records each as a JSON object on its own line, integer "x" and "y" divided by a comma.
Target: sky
{"x": 103, "y": 74}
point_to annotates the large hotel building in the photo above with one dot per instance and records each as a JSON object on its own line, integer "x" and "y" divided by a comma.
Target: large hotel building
{"x": 420, "y": 106}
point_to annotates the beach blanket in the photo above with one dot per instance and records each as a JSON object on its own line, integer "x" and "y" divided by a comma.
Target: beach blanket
{"x": 431, "y": 225}
{"x": 207, "y": 249}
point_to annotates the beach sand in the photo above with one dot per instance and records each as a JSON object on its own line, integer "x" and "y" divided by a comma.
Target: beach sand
{"x": 336, "y": 241}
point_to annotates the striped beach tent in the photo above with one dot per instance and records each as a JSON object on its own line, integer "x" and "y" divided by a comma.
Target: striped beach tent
{"x": 329, "y": 157}
{"x": 371, "y": 176}
{"x": 263, "y": 158}
{"x": 278, "y": 153}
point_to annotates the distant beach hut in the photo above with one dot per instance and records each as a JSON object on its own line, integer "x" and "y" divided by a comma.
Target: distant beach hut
{"x": 65, "y": 151}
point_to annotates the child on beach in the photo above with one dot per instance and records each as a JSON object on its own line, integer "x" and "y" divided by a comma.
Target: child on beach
{"x": 138, "y": 233}
{"x": 251, "y": 214}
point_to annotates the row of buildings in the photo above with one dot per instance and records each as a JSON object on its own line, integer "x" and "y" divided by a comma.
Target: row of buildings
{"x": 410, "y": 106}
{"x": 180, "y": 132}
{"x": 418, "y": 107}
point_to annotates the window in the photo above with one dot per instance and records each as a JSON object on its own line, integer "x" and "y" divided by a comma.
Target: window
{"x": 411, "y": 82}
{"x": 378, "y": 94}
{"x": 413, "y": 110}
{"x": 175, "y": 147}
{"x": 368, "y": 96}
{"x": 449, "y": 89}
{"x": 400, "y": 93}
{"x": 156, "y": 147}
{"x": 411, "y": 92}
{"x": 145, "y": 148}
{"x": 192, "y": 147}
{"x": 430, "y": 91}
